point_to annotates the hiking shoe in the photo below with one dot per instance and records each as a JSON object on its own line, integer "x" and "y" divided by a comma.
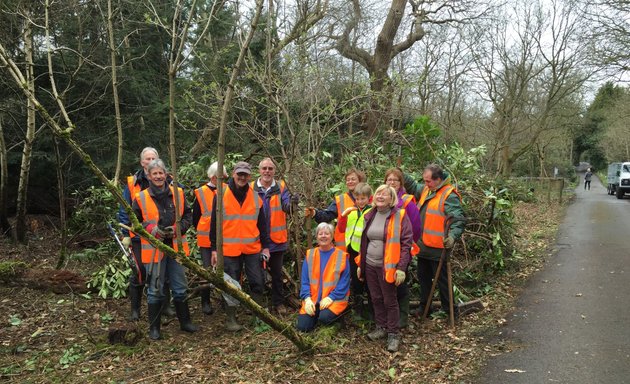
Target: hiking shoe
{"x": 377, "y": 334}
{"x": 393, "y": 342}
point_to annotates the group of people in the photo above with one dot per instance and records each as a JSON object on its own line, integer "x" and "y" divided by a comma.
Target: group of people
{"x": 368, "y": 251}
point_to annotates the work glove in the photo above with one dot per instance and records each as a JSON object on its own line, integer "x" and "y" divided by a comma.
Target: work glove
{"x": 265, "y": 254}
{"x": 348, "y": 210}
{"x": 126, "y": 241}
{"x": 359, "y": 273}
{"x": 449, "y": 242}
{"x": 157, "y": 232}
{"x": 169, "y": 232}
{"x": 400, "y": 277}
{"x": 309, "y": 306}
{"x": 325, "y": 303}
{"x": 309, "y": 212}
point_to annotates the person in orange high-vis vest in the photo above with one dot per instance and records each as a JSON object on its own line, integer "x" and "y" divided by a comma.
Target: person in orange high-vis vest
{"x": 202, "y": 213}
{"x": 395, "y": 179}
{"x": 383, "y": 259}
{"x": 136, "y": 183}
{"x": 338, "y": 206}
{"x": 438, "y": 200}
{"x": 277, "y": 203}
{"x": 155, "y": 208}
{"x": 325, "y": 282}
{"x": 245, "y": 236}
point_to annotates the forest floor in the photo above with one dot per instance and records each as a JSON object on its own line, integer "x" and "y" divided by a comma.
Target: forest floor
{"x": 63, "y": 338}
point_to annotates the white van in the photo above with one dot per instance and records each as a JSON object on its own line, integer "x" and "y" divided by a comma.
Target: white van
{"x": 618, "y": 179}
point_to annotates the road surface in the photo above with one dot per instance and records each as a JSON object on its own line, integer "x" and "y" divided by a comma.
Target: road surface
{"x": 572, "y": 322}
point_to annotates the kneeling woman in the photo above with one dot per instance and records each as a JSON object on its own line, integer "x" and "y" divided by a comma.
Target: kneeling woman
{"x": 155, "y": 208}
{"x": 325, "y": 281}
{"x": 383, "y": 259}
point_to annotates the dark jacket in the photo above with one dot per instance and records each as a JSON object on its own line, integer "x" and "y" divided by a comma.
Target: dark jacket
{"x": 406, "y": 239}
{"x": 166, "y": 208}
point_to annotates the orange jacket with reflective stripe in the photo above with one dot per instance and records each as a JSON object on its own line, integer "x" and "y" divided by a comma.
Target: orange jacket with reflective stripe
{"x": 391, "y": 255}
{"x": 277, "y": 217}
{"x": 336, "y": 264}
{"x": 343, "y": 201}
{"x": 435, "y": 217}
{"x": 133, "y": 190}
{"x": 407, "y": 199}
{"x": 151, "y": 215}
{"x": 240, "y": 230}
{"x": 205, "y": 197}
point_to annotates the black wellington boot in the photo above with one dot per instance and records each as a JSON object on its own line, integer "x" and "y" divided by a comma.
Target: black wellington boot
{"x": 135, "y": 296}
{"x": 155, "y": 314}
{"x": 167, "y": 310}
{"x": 206, "y": 306}
{"x": 183, "y": 314}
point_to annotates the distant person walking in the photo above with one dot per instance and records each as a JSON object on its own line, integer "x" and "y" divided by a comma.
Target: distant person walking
{"x": 587, "y": 179}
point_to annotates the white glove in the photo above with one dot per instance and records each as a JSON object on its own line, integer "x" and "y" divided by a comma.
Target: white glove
{"x": 325, "y": 303}
{"x": 400, "y": 277}
{"x": 449, "y": 242}
{"x": 359, "y": 273}
{"x": 126, "y": 241}
{"x": 309, "y": 306}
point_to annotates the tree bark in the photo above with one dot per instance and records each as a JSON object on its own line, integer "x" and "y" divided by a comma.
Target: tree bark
{"x": 112, "y": 52}
{"x": 61, "y": 186}
{"x": 4, "y": 172}
{"x": 20, "y": 224}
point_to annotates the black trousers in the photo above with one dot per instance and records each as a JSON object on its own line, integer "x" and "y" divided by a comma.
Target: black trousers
{"x": 276, "y": 261}
{"x": 137, "y": 279}
{"x": 426, "y": 273}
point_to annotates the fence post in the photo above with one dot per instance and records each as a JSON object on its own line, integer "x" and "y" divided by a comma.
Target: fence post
{"x": 549, "y": 191}
{"x": 561, "y": 189}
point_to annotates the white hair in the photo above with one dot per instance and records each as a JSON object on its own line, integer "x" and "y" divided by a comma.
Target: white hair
{"x": 213, "y": 170}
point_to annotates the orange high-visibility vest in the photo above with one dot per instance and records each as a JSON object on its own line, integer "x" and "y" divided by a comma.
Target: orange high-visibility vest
{"x": 151, "y": 215}
{"x": 240, "y": 230}
{"x": 391, "y": 257}
{"x": 277, "y": 218}
{"x": 407, "y": 199}
{"x": 435, "y": 217}
{"x": 336, "y": 264}
{"x": 343, "y": 201}
{"x": 205, "y": 197}
{"x": 134, "y": 189}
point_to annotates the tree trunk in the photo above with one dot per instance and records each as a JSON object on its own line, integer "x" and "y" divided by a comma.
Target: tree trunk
{"x": 4, "y": 172}
{"x": 61, "y": 185}
{"x": 20, "y": 225}
{"x": 112, "y": 51}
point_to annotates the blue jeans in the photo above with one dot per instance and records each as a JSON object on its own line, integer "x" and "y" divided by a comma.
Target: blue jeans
{"x": 306, "y": 323}
{"x": 166, "y": 270}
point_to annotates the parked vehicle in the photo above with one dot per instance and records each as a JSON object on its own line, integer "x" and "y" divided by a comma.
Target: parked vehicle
{"x": 618, "y": 179}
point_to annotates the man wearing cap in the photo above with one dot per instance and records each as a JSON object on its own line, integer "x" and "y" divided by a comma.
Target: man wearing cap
{"x": 277, "y": 202}
{"x": 245, "y": 234}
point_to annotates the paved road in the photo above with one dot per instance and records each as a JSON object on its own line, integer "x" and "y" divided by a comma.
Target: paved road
{"x": 572, "y": 323}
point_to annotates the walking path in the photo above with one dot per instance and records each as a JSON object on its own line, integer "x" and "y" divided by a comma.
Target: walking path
{"x": 572, "y": 322}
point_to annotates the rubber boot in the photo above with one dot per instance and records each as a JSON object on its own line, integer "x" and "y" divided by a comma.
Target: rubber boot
{"x": 183, "y": 315}
{"x": 403, "y": 306}
{"x": 260, "y": 300}
{"x": 135, "y": 296}
{"x": 206, "y": 306}
{"x": 155, "y": 314}
{"x": 168, "y": 310}
{"x": 231, "y": 324}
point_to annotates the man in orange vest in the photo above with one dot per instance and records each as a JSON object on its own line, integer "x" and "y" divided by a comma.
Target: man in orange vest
{"x": 277, "y": 202}
{"x": 438, "y": 200}
{"x": 136, "y": 183}
{"x": 156, "y": 208}
{"x": 202, "y": 212}
{"x": 245, "y": 235}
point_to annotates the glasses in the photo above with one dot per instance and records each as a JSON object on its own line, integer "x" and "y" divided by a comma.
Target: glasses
{"x": 392, "y": 181}
{"x": 267, "y": 168}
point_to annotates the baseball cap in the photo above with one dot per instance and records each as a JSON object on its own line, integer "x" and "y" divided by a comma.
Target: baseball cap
{"x": 243, "y": 167}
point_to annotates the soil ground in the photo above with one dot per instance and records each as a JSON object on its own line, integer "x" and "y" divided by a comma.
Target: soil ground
{"x": 63, "y": 338}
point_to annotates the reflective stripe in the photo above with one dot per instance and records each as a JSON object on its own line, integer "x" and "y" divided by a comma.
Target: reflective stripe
{"x": 275, "y": 209}
{"x": 206, "y": 212}
{"x": 240, "y": 240}
{"x": 434, "y": 212}
{"x": 203, "y": 233}
{"x": 390, "y": 265}
{"x": 396, "y": 237}
{"x": 279, "y": 228}
{"x": 433, "y": 232}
